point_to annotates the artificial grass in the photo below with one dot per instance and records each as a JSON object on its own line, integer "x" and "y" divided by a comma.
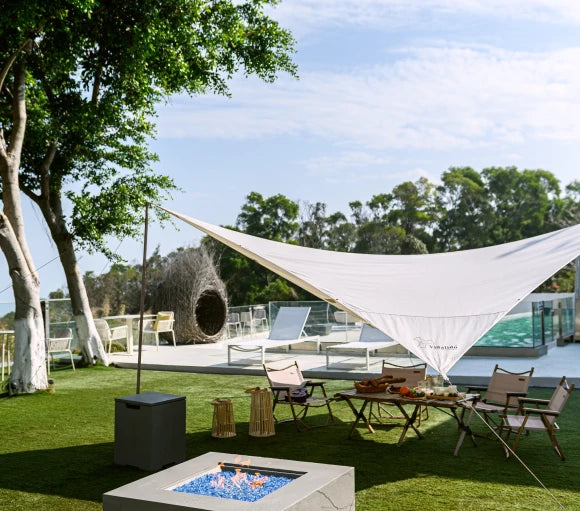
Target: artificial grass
{"x": 56, "y": 451}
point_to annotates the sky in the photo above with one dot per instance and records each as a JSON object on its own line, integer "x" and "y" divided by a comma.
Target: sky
{"x": 388, "y": 91}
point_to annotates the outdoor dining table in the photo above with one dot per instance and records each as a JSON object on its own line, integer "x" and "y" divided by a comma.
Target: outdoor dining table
{"x": 4, "y": 335}
{"x": 449, "y": 406}
{"x": 128, "y": 319}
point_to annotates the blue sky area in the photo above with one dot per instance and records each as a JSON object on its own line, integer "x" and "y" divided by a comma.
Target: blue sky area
{"x": 389, "y": 91}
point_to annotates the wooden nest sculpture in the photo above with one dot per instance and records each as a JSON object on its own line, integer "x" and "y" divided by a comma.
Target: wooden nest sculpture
{"x": 190, "y": 286}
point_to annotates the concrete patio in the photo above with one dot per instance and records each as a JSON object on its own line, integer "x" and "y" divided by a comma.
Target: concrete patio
{"x": 212, "y": 358}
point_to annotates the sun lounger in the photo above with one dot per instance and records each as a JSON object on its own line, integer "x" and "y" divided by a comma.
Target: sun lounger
{"x": 287, "y": 329}
{"x": 370, "y": 340}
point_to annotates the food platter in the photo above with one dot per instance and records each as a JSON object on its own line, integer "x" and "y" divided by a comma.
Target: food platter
{"x": 370, "y": 388}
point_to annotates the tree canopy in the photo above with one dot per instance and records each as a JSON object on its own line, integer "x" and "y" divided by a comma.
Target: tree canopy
{"x": 469, "y": 209}
{"x": 95, "y": 73}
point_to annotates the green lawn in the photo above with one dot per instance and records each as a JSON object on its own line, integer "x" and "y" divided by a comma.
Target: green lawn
{"x": 57, "y": 449}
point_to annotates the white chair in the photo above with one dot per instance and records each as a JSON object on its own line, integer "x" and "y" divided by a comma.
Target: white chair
{"x": 163, "y": 324}
{"x": 261, "y": 318}
{"x": 247, "y": 321}
{"x": 60, "y": 343}
{"x": 7, "y": 337}
{"x": 108, "y": 335}
{"x": 233, "y": 319}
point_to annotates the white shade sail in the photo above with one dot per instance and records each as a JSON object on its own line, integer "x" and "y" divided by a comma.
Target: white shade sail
{"x": 435, "y": 305}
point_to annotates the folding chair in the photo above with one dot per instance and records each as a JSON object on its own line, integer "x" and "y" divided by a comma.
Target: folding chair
{"x": 538, "y": 419}
{"x": 413, "y": 374}
{"x": 290, "y": 388}
{"x": 501, "y": 394}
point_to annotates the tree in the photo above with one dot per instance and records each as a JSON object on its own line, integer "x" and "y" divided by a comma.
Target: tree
{"x": 272, "y": 218}
{"x": 94, "y": 73}
{"x": 312, "y": 230}
{"x": 340, "y": 233}
{"x": 466, "y": 212}
{"x": 396, "y": 222}
{"x": 414, "y": 209}
{"x": 522, "y": 202}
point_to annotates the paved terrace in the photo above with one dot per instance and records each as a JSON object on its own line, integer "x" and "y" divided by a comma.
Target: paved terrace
{"x": 212, "y": 358}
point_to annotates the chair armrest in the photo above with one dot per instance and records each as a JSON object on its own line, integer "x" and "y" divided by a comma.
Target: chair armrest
{"x": 314, "y": 383}
{"x": 532, "y": 400}
{"x": 538, "y": 411}
{"x": 119, "y": 332}
{"x": 287, "y": 389}
{"x": 516, "y": 394}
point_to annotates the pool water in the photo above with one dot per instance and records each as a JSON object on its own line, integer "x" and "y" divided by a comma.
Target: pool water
{"x": 513, "y": 331}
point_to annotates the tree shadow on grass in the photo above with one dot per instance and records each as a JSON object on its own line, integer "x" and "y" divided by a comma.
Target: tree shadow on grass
{"x": 85, "y": 472}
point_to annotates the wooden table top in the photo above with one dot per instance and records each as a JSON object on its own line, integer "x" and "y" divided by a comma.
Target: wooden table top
{"x": 397, "y": 398}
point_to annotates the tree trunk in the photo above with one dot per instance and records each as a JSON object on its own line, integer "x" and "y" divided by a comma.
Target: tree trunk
{"x": 50, "y": 203}
{"x": 88, "y": 338}
{"x": 29, "y": 369}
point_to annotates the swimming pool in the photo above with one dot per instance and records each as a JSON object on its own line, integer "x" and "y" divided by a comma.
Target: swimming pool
{"x": 514, "y": 331}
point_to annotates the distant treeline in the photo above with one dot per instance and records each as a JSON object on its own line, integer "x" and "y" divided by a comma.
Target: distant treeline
{"x": 469, "y": 209}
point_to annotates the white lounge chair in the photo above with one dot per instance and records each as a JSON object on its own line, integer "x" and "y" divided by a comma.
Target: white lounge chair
{"x": 287, "y": 329}
{"x": 370, "y": 340}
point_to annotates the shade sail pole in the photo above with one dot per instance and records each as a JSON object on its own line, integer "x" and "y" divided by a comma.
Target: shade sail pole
{"x": 142, "y": 302}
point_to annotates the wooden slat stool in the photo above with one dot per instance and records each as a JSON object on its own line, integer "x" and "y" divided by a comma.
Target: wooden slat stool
{"x": 261, "y": 416}
{"x": 223, "y": 425}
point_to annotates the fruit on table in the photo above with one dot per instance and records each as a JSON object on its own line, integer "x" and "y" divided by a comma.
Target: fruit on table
{"x": 404, "y": 390}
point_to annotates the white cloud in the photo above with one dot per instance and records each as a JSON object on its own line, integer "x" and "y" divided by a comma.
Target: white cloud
{"x": 346, "y": 159}
{"x": 305, "y": 15}
{"x": 427, "y": 98}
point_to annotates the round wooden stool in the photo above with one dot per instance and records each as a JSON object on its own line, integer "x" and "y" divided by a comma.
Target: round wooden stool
{"x": 261, "y": 416}
{"x": 223, "y": 425}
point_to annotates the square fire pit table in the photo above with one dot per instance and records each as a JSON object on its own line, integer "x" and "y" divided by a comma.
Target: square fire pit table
{"x": 308, "y": 486}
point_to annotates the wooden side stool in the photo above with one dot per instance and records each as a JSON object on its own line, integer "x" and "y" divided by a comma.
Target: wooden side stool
{"x": 223, "y": 425}
{"x": 261, "y": 416}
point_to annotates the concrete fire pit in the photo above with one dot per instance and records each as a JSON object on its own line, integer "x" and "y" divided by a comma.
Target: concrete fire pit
{"x": 312, "y": 486}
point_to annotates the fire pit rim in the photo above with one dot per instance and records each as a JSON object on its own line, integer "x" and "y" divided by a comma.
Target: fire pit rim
{"x": 153, "y": 488}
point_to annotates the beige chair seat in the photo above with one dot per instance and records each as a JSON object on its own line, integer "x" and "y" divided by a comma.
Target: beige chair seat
{"x": 530, "y": 423}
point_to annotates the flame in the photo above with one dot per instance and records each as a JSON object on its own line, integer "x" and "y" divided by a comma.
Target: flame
{"x": 239, "y": 480}
{"x": 245, "y": 463}
{"x": 259, "y": 481}
{"x": 218, "y": 481}
{"x": 238, "y": 459}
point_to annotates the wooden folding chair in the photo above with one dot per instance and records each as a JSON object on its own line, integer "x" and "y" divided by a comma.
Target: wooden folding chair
{"x": 501, "y": 395}
{"x": 290, "y": 388}
{"x": 538, "y": 419}
{"x": 413, "y": 374}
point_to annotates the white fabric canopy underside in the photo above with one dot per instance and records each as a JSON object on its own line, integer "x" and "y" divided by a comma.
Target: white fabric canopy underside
{"x": 435, "y": 305}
